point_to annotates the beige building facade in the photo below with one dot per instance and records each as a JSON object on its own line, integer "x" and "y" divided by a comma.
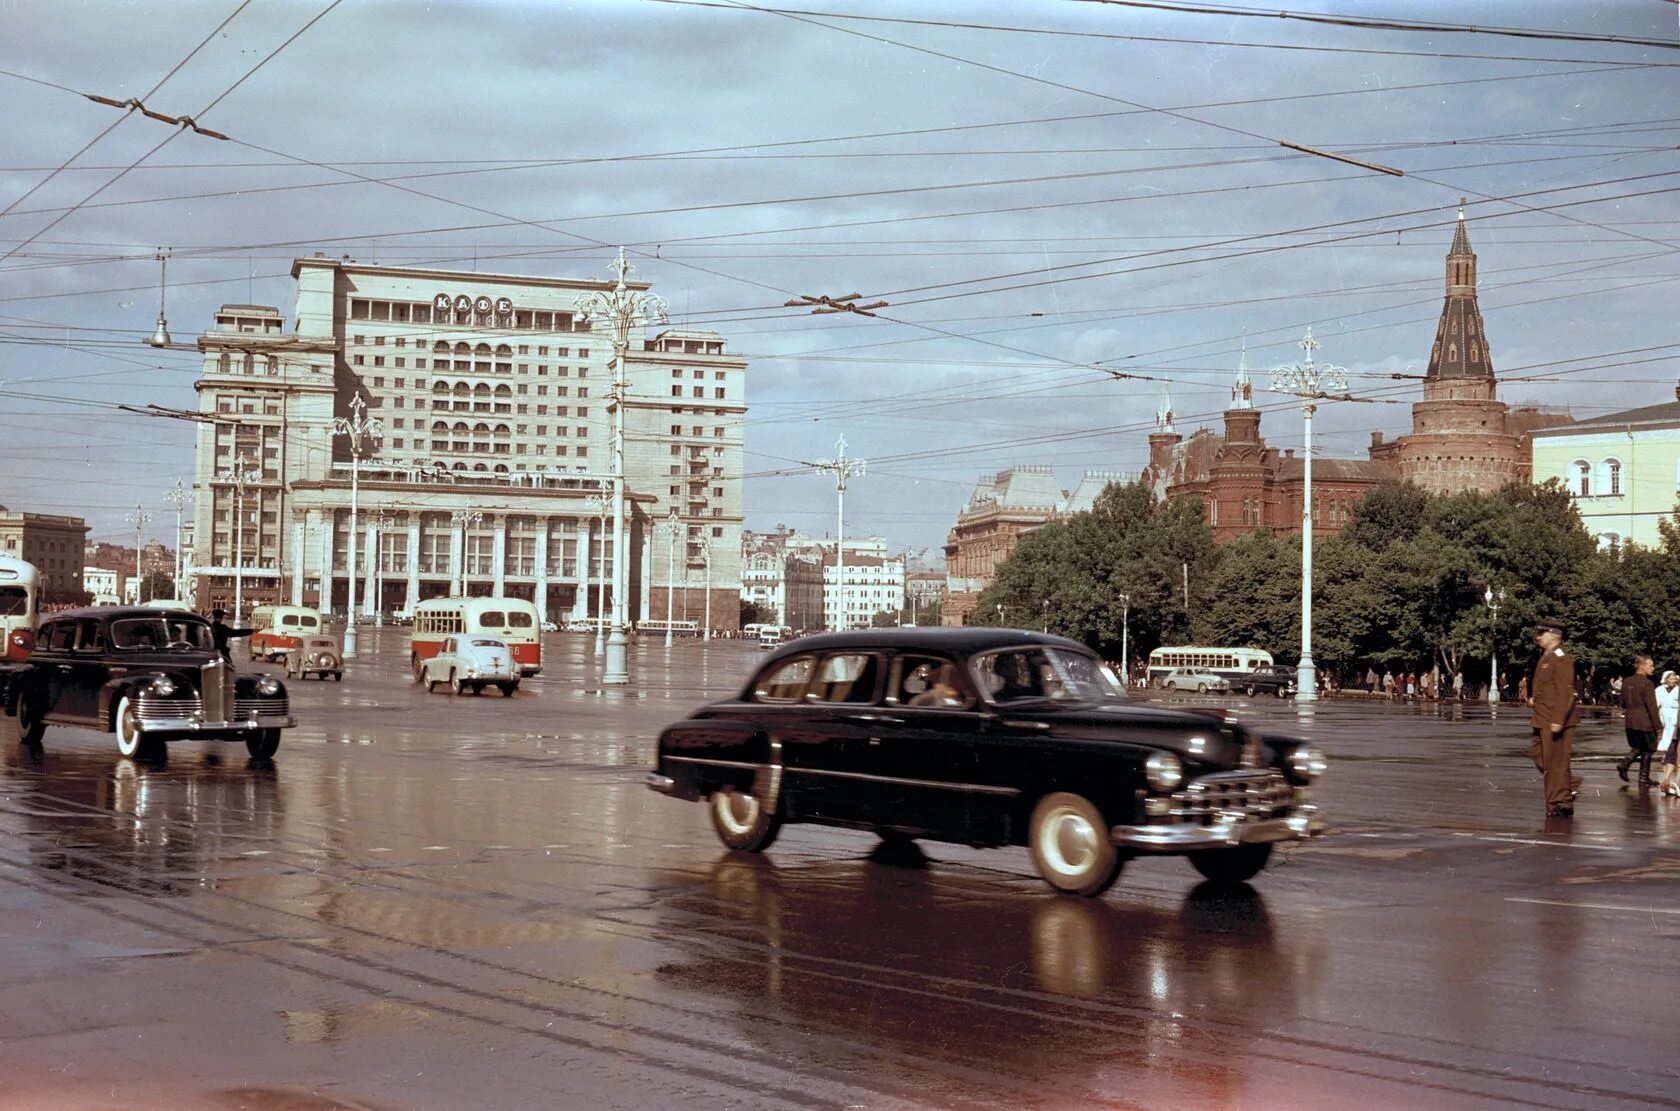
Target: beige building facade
{"x": 496, "y": 400}
{"x": 54, "y": 544}
{"x": 1623, "y": 470}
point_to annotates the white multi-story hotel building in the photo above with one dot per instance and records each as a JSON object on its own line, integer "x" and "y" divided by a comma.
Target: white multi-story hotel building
{"x": 496, "y": 399}
{"x": 871, "y": 584}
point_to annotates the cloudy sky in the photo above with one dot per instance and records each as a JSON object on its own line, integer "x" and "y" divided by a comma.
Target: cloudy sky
{"x": 1066, "y": 205}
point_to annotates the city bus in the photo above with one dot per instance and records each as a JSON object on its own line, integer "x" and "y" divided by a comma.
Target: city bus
{"x": 20, "y": 599}
{"x": 513, "y": 619}
{"x": 678, "y": 628}
{"x": 281, "y": 629}
{"x": 1234, "y": 664}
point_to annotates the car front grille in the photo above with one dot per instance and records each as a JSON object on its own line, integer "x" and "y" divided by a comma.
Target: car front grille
{"x": 244, "y": 708}
{"x": 1244, "y": 796}
{"x": 153, "y": 708}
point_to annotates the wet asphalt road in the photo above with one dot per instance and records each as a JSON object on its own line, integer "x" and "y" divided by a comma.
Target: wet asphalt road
{"x": 471, "y": 903}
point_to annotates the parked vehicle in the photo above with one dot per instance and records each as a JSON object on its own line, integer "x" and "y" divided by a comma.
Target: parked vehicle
{"x": 513, "y": 620}
{"x": 987, "y": 737}
{"x": 319, "y": 656}
{"x": 281, "y": 630}
{"x": 1193, "y": 679}
{"x": 550, "y": 627}
{"x": 1274, "y": 680}
{"x": 147, "y": 675}
{"x": 1230, "y": 663}
{"x": 471, "y": 663}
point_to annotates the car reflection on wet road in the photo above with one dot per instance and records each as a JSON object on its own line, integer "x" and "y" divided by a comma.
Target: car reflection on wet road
{"x": 470, "y": 902}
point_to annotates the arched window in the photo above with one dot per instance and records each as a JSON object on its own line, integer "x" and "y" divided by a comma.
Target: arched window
{"x": 440, "y": 386}
{"x": 504, "y": 390}
{"x": 503, "y": 351}
{"x": 1610, "y": 477}
{"x": 1582, "y": 472}
{"x": 250, "y": 362}
{"x": 440, "y": 348}
{"x": 463, "y": 392}
{"x": 440, "y": 428}
{"x": 462, "y": 351}
{"x": 271, "y": 365}
{"x": 500, "y": 468}
{"x": 225, "y": 363}
{"x": 481, "y": 468}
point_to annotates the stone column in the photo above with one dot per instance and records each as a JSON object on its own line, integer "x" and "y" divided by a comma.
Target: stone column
{"x": 413, "y": 598}
{"x": 584, "y": 548}
{"x": 297, "y": 561}
{"x": 325, "y": 534}
{"x": 647, "y": 577}
{"x": 498, "y": 553}
{"x": 370, "y": 553}
{"x": 457, "y": 556}
{"x": 541, "y": 591}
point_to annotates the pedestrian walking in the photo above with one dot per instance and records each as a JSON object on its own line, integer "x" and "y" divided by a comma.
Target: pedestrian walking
{"x": 1458, "y": 685}
{"x": 1388, "y": 684}
{"x": 1411, "y": 686}
{"x": 1556, "y": 712}
{"x": 1668, "y": 706}
{"x": 1522, "y": 689}
{"x": 1641, "y": 719}
{"x": 1371, "y": 679}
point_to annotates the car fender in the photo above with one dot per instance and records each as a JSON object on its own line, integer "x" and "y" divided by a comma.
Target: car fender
{"x": 703, "y": 755}
{"x": 1107, "y": 772}
{"x": 114, "y": 690}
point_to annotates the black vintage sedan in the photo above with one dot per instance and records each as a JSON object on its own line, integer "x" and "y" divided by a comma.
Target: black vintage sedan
{"x": 147, "y": 675}
{"x": 987, "y": 737}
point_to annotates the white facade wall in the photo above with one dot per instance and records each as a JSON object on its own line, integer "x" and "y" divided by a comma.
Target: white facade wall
{"x": 869, "y": 587}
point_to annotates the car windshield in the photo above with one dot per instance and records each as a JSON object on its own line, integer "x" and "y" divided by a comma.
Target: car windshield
{"x": 1045, "y": 674}
{"x": 177, "y": 633}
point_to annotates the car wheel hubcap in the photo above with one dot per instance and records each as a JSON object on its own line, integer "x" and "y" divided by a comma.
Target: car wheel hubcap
{"x": 738, "y": 811}
{"x": 1070, "y": 842}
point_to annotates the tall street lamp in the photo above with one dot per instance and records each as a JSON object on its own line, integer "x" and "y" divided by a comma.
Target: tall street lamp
{"x": 465, "y": 519}
{"x": 603, "y": 502}
{"x": 623, "y": 309}
{"x": 139, "y": 518}
{"x": 706, "y": 554}
{"x": 674, "y": 525}
{"x": 381, "y": 523}
{"x": 842, "y": 468}
{"x": 1494, "y": 601}
{"x": 358, "y": 426}
{"x": 239, "y": 476}
{"x": 1125, "y": 640}
{"x": 1312, "y": 383}
{"x": 178, "y": 496}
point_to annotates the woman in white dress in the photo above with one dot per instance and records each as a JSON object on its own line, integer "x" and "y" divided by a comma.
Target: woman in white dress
{"x": 1668, "y": 708}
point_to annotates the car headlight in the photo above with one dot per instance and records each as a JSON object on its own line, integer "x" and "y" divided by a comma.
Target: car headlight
{"x": 163, "y": 686}
{"x": 268, "y": 685}
{"x": 1307, "y": 763}
{"x": 1163, "y": 771}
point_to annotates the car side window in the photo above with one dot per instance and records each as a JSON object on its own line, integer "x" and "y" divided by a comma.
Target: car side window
{"x": 59, "y": 637}
{"x": 846, "y": 677}
{"x": 1013, "y": 676}
{"x": 786, "y": 681}
{"x": 90, "y": 636}
{"x": 930, "y": 681}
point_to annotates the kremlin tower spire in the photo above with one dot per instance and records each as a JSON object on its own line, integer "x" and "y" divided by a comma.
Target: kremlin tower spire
{"x": 1461, "y": 347}
{"x": 1164, "y": 415}
{"x": 1242, "y": 391}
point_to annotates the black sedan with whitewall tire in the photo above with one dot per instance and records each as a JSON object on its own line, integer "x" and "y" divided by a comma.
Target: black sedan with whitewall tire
{"x": 987, "y": 737}
{"x": 147, "y": 675}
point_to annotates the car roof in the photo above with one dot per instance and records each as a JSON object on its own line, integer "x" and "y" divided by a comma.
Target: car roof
{"x": 117, "y": 613}
{"x": 955, "y": 640}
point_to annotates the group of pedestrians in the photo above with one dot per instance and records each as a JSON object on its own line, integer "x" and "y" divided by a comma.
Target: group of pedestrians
{"x": 1649, "y": 715}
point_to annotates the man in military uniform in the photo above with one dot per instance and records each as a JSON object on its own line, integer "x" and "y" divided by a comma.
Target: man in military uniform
{"x": 1555, "y": 715}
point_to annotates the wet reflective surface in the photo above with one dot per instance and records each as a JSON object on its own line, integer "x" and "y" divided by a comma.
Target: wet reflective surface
{"x": 438, "y": 902}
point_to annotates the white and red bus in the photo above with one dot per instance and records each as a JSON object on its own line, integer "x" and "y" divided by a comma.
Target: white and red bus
{"x": 513, "y": 619}
{"x": 20, "y": 599}
{"x": 281, "y": 629}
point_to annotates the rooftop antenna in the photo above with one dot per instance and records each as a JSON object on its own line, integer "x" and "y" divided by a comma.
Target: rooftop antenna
{"x": 160, "y": 338}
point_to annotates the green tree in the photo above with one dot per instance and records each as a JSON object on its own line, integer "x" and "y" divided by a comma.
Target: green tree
{"x": 156, "y": 584}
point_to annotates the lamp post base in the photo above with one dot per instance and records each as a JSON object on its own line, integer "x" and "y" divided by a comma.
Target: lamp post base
{"x": 1306, "y": 681}
{"x": 349, "y": 652}
{"x": 615, "y": 672}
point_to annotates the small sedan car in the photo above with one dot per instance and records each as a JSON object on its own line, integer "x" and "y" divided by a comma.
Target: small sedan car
{"x": 1193, "y": 679}
{"x": 147, "y": 675}
{"x": 318, "y": 656}
{"x": 471, "y": 663}
{"x": 1273, "y": 680}
{"x": 987, "y": 737}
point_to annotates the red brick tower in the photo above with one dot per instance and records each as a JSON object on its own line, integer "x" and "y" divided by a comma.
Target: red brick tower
{"x": 1237, "y": 479}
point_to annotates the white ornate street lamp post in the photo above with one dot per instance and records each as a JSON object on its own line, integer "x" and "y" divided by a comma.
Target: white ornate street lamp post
{"x": 1312, "y": 383}
{"x": 706, "y": 554}
{"x": 358, "y": 426}
{"x": 139, "y": 519}
{"x": 623, "y": 309}
{"x": 1125, "y": 640}
{"x": 674, "y": 525}
{"x": 603, "y": 502}
{"x": 1494, "y": 601}
{"x": 465, "y": 519}
{"x": 843, "y": 469}
{"x": 238, "y": 476}
{"x": 178, "y": 496}
{"x": 381, "y": 524}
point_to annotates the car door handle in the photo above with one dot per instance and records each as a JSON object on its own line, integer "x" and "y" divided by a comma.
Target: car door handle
{"x": 64, "y": 667}
{"x": 875, "y": 719}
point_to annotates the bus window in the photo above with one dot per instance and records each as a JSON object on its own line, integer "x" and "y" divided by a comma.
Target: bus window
{"x": 310, "y": 621}
{"x": 518, "y": 620}
{"x": 492, "y": 619}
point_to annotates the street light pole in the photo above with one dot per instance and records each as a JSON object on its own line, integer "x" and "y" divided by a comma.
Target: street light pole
{"x": 358, "y": 426}
{"x": 138, "y": 519}
{"x": 623, "y": 309}
{"x": 178, "y": 496}
{"x": 241, "y": 473}
{"x": 842, "y": 469}
{"x": 673, "y": 524}
{"x": 465, "y": 519}
{"x": 1125, "y": 640}
{"x": 1494, "y": 601}
{"x": 603, "y": 501}
{"x": 706, "y": 554}
{"x": 1311, "y": 383}
{"x": 381, "y": 522}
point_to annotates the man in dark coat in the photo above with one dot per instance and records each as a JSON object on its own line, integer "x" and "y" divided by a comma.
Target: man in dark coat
{"x": 221, "y": 633}
{"x": 1555, "y": 714}
{"x": 1641, "y": 719}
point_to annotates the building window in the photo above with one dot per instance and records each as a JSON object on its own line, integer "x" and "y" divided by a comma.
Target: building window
{"x": 1610, "y": 477}
{"x": 1583, "y": 477}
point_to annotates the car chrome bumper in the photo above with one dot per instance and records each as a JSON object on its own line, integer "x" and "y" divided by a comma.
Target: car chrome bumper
{"x": 1305, "y": 822}
{"x": 176, "y": 725}
{"x": 664, "y": 784}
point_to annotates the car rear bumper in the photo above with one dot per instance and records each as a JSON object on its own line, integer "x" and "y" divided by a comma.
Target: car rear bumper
{"x": 1173, "y": 837}
{"x": 246, "y": 725}
{"x": 664, "y": 784}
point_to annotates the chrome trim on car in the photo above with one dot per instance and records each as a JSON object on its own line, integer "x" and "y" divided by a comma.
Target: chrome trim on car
{"x": 159, "y": 708}
{"x": 664, "y": 784}
{"x": 747, "y": 765}
{"x": 245, "y": 726}
{"x": 772, "y": 794}
{"x": 777, "y": 769}
{"x": 1245, "y": 795}
{"x": 277, "y": 705}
